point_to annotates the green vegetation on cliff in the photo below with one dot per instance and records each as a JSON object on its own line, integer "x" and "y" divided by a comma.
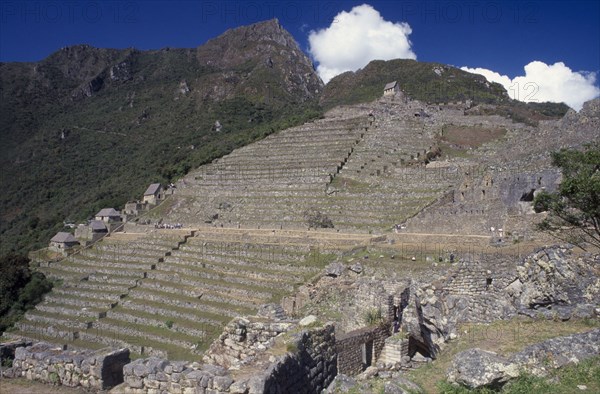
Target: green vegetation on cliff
{"x": 20, "y": 289}
{"x": 433, "y": 83}
{"x": 89, "y": 128}
{"x": 428, "y": 82}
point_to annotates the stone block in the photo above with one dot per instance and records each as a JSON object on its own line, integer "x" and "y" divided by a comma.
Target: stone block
{"x": 134, "y": 381}
{"x": 222, "y": 383}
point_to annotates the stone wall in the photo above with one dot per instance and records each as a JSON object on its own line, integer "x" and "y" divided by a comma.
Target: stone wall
{"x": 155, "y": 375}
{"x": 242, "y": 339}
{"x": 354, "y": 348}
{"x": 94, "y": 370}
{"x": 309, "y": 369}
{"x": 8, "y": 349}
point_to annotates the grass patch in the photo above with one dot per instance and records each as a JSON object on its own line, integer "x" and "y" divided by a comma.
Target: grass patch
{"x": 349, "y": 184}
{"x": 470, "y": 136}
{"x": 373, "y": 316}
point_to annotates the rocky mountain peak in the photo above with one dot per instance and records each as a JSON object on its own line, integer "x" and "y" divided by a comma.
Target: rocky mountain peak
{"x": 260, "y": 51}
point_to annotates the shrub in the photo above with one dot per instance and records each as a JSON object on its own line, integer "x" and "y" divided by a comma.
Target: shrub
{"x": 291, "y": 347}
{"x": 373, "y": 316}
{"x": 316, "y": 219}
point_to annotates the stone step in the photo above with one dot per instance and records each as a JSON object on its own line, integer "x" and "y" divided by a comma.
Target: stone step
{"x": 59, "y": 342}
{"x": 206, "y": 294}
{"x": 118, "y": 340}
{"x": 196, "y": 330}
{"x": 237, "y": 289}
{"x": 70, "y": 311}
{"x": 95, "y": 294}
{"x": 102, "y": 286}
{"x": 141, "y": 335}
{"x": 56, "y": 272}
{"x": 273, "y": 242}
{"x": 78, "y": 301}
{"x": 173, "y": 312}
{"x": 127, "y": 263}
{"x": 265, "y": 263}
{"x": 101, "y": 257}
{"x": 37, "y": 316}
{"x": 51, "y": 330}
{"x": 230, "y": 278}
{"x": 89, "y": 270}
{"x": 116, "y": 279}
{"x": 256, "y": 273}
{"x": 243, "y": 254}
{"x": 188, "y": 302}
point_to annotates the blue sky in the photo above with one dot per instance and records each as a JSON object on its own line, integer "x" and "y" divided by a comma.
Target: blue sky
{"x": 500, "y": 36}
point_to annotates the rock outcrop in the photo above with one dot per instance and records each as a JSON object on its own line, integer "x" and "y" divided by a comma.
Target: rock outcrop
{"x": 477, "y": 368}
{"x": 554, "y": 278}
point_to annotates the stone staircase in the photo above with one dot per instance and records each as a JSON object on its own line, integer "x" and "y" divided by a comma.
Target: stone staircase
{"x": 393, "y": 350}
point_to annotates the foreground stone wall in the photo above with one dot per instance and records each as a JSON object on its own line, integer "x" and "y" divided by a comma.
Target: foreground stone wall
{"x": 95, "y": 370}
{"x": 155, "y": 375}
{"x": 310, "y": 369}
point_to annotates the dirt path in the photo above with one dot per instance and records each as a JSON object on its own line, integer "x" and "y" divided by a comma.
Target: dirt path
{"x": 23, "y": 386}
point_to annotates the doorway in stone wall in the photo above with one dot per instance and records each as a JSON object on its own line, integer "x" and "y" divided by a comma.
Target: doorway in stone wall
{"x": 367, "y": 354}
{"x": 415, "y": 346}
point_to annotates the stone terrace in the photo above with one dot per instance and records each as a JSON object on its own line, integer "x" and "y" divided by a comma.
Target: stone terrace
{"x": 170, "y": 292}
{"x": 355, "y": 168}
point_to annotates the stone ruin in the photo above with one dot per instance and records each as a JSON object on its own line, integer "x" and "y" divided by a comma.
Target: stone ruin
{"x": 306, "y": 355}
{"x": 367, "y": 169}
{"x": 94, "y": 370}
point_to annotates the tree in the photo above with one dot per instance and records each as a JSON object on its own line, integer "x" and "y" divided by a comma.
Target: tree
{"x": 20, "y": 288}
{"x": 574, "y": 210}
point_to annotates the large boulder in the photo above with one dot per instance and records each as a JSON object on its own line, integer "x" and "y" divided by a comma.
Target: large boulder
{"x": 553, "y": 276}
{"x": 401, "y": 385}
{"x": 341, "y": 384}
{"x": 475, "y": 368}
{"x": 426, "y": 319}
{"x": 335, "y": 269}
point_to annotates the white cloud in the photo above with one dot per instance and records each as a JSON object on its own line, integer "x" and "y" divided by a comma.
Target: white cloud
{"x": 543, "y": 82}
{"x": 355, "y": 38}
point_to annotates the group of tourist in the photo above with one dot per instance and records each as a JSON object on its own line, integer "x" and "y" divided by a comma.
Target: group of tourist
{"x": 168, "y": 226}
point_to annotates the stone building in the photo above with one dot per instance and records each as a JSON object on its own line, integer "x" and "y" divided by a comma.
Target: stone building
{"x": 109, "y": 215}
{"x": 98, "y": 229}
{"x": 133, "y": 208}
{"x": 153, "y": 194}
{"x": 63, "y": 241}
{"x": 391, "y": 89}
{"x": 91, "y": 232}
